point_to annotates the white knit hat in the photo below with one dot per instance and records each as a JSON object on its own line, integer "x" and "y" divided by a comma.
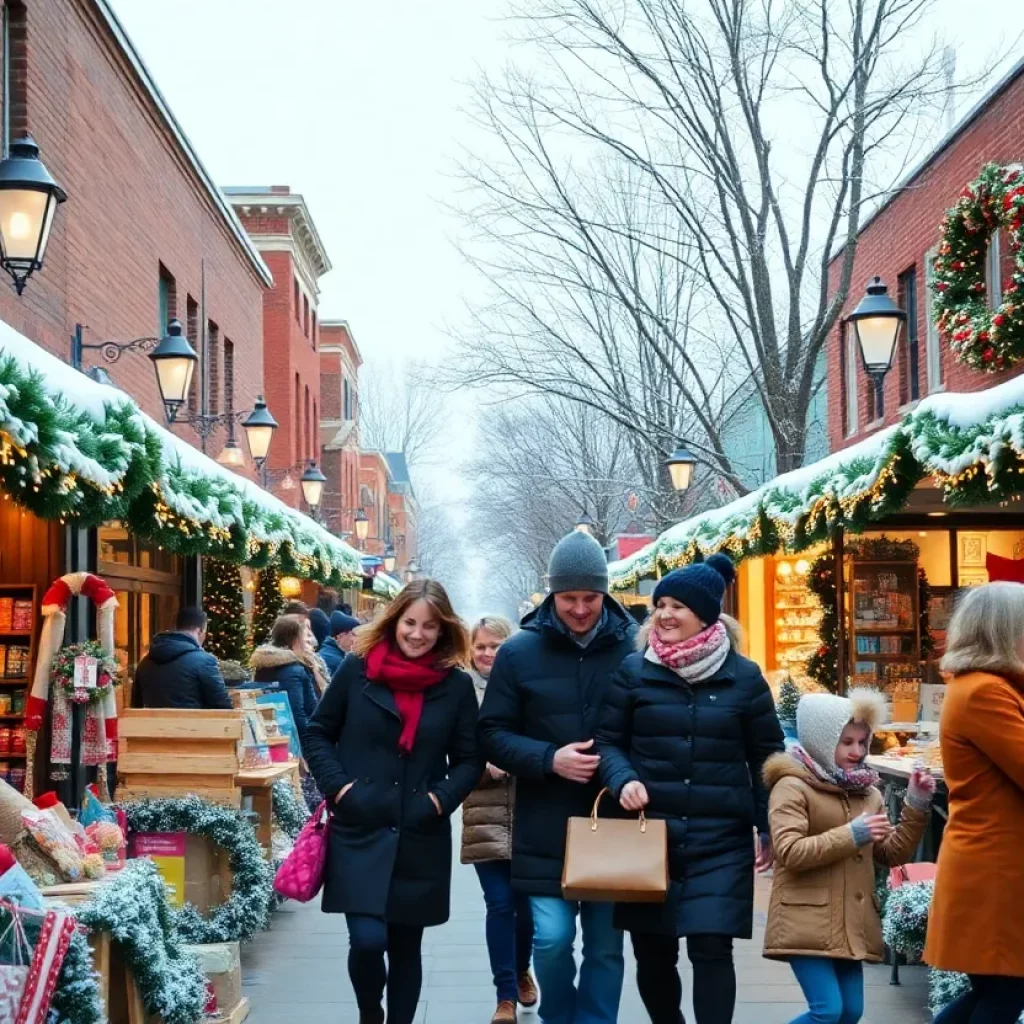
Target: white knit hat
{"x": 822, "y": 717}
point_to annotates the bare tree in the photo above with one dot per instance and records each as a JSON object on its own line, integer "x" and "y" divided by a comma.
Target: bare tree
{"x": 673, "y": 179}
{"x": 397, "y": 413}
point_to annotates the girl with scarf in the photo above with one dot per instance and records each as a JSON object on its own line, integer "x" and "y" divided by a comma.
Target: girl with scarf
{"x": 687, "y": 726}
{"x": 392, "y": 746}
{"x": 828, "y": 829}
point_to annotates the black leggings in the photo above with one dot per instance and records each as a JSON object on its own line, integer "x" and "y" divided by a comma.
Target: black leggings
{"x": 657, "y": 977}
{"x": 369, "y": 939}
{"x": 991, "y": 1000}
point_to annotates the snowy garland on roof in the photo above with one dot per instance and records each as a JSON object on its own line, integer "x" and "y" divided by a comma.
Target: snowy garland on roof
{"x": 386, "y": 586}
{"x": 77, "y": 451}
{"x": 971, "y": 444}
{"x": 986, "y": 339}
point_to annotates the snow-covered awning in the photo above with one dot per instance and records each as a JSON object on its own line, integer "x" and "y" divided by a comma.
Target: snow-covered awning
{"x": 971, "y": 444}
{"x": 386, "y": 586}
{"x": 77, "y": 450}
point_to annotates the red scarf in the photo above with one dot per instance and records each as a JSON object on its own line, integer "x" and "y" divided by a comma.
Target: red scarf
{"x": 407, "y": 679}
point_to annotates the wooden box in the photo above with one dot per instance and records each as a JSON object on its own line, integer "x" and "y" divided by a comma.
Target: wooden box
{"x": 165, "y": 753}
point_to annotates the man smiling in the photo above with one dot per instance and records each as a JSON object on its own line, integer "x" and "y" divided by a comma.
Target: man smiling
{"x": 537, "y": 723}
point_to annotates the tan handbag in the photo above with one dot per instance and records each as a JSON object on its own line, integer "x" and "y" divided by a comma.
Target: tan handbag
{"x": 615, "y": 860}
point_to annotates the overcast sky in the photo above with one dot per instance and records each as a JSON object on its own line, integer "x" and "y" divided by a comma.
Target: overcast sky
{"x": 359, "y": 106}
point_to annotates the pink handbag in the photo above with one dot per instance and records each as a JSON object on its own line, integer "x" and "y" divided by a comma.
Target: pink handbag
{"x": 301, "y": 876}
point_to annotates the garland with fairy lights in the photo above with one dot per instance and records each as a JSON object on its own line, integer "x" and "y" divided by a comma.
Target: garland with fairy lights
{"x": 978, "y": 336}
{"x": 62, "y": 462}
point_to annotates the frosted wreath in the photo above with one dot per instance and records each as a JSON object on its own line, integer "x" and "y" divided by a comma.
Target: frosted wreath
{"x": 100, "y": 736}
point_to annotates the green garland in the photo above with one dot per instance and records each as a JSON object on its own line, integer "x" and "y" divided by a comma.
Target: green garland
{"x": 267, "y": 605}
{"x": 980, "y": 337}
{"x": 289, "y": 814}
{"x": 227, "y": 635}
{"x": 62, "y": 462}
{"x": 822, "y": 666}
{"x": 134, "y": 910}
{"x": 246, "y": 911}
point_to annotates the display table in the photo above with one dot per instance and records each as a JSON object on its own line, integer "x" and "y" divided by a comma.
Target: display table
{"x": 895, "y": 773}
{"x": 258, "y": 783}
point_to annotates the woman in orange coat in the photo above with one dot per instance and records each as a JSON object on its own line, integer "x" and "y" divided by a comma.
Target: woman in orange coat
{"x": 973, "y": 926}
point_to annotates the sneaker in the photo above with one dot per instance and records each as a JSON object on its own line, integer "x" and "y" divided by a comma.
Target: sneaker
{"x": 505, "y": 1013}
{"x": 527, "y": 990}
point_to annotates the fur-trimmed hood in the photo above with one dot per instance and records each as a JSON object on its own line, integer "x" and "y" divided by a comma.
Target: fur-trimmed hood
{"x": 732, "y": 627}
{"x": 269, "y": 656}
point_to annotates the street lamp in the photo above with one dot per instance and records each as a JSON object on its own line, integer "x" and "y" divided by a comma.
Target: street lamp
{"x": 876, "y": 322}
{"x": 312, "y": 485}
{"x": 174, "y": 360}
{"x": 389, "y": 559}
{"x": 231, "y": 455}
{"x": 680, "y": 468}
{"x": 29, "y": 198}
{"x": 362, "y": 524}
{"x": 585, "y": 525}
{"x": 259, "y": 427}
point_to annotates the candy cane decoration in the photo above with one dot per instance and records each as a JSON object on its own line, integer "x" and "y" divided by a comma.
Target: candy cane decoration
{"x": 55, "y": 603}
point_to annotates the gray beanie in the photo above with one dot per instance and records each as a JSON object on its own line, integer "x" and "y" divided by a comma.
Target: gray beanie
{"x": 578, "y": 563}
{"x": 822, "y": 717}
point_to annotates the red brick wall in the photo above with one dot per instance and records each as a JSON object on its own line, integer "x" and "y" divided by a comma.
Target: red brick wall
{"x": 898, "y": 239}
{"x": 287, "y": 351}
{"x": 134, "y": 202}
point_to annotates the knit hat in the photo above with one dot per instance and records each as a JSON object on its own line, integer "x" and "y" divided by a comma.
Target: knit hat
{"x": 700, "y": 586}
{"x": 578, "y": 562}
{"x": 342, "y": 623}
{"x": 320, "y": 624}
{"x": 822, "y": 717}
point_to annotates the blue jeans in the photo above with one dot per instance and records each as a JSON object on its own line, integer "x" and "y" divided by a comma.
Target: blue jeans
{"x": 596, "y": 999}
{"x": 834, "y": 989}
{"x": 509, "y": 927}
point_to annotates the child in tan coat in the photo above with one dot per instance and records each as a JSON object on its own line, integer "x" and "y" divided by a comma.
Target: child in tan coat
{"x": 828, "y": 828}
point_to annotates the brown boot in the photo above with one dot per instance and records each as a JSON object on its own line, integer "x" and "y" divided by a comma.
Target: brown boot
{"x": 505, "y": 1013}
{"x": 527, "y": 990}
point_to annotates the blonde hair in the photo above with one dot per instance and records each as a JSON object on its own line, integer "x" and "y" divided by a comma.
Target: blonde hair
{"x": 496, "y": 624}
{"x": 986, "y": 630}
{"x": 452, "y": 647}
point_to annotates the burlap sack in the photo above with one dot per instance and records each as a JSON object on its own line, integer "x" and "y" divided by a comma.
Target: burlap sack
{"x": 12, "y": 803}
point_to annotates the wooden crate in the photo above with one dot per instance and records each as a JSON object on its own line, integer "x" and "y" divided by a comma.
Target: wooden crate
{"x": 168, "y": 752}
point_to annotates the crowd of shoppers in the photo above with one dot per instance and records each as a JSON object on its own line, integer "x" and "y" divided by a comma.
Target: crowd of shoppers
{"x": 522, "y": 729}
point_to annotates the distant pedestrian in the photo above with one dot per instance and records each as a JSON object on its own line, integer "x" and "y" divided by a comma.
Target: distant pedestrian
{"x": 393, "y": 747}
{"x": 177, "y": 673}
{"x": 339, "y": 643}
{"x": 537, "y": 722}
{"x": 973, "y": 926}
{"x": 286, "y": 660}
{"x": 686, "y": 728}
{"x": 487, "y": 845}
{"x": 320, "y": 624}
{"x": 829, "y": 829}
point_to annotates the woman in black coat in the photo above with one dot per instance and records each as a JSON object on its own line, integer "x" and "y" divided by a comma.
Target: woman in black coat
{"x": 393, "y": 748}
{"x": 686, "y": 728}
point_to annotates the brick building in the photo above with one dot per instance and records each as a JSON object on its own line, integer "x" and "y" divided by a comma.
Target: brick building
{"x": 282, "y": 229}
{"x": 402, "y": 510}
{"x": 374, "y": 487}
{"x": 340, "y": 360}
{"x": 898, "y": 243}
{"x": 145, "y": 234}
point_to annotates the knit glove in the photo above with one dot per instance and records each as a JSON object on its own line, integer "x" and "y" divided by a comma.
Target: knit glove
{"x": 920, "y": 791}
{"x": 860, "y": 830}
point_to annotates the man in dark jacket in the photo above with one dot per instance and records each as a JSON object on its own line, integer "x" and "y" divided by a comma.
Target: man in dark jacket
{"x": 537, "y": 722}
{"x": 177, "y": 672}
{"x": 339, "y": 643}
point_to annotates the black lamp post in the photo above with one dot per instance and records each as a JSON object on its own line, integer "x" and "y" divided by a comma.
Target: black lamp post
{"x": 312, "y": 482}
{"x": 389, "y": 559}
{"x": 29, "y": 198}
{"x": 174, "y": 360}
{"x": 876, "y": 322}
{"x": 259, "y": 427}
{"x": 680, "y": 468}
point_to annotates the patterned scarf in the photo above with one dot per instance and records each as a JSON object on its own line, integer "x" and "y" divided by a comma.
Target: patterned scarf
{"x": 696, "y": 659}
{"x": 858, "y": 779}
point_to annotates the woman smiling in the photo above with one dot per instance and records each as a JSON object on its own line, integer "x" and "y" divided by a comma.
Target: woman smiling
{"x": 393, "y": 746}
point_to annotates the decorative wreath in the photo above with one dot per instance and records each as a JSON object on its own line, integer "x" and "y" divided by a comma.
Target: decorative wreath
{"x": 247, "y": 909}
{"x": 978, "y": 336}
{"x": 63, "y": 672}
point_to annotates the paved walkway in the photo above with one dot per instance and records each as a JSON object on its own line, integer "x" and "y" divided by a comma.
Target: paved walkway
{"x": 296, "y": 972}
